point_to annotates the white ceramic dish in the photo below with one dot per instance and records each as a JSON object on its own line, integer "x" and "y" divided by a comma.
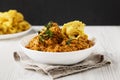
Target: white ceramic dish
{"x": 8, "y": 36}
{"x": 64, "y": 58}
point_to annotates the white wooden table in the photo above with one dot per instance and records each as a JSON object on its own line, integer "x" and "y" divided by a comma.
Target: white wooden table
{"x": 109, "y": 41}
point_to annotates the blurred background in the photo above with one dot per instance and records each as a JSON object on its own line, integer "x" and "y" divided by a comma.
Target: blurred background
{"x": 91, "y": 12}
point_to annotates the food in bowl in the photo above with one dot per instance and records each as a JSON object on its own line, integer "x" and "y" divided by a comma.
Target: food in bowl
{"x": 52, "y": 38}
{"x": 55, "y": 45}
{"x": 73, "y": 29}
{"x": 12, "y": 21}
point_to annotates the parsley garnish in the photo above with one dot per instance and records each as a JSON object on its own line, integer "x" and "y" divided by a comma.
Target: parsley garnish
{"x": 46, "y": 34}
{"x": 68, "y": 41}
{"x": 41, "y": 38}
{"x": 49, "y": 24}
{"x": 49, "y": 33}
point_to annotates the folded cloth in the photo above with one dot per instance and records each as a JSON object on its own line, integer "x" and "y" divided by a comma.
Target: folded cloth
{"x": 57, "y": 71}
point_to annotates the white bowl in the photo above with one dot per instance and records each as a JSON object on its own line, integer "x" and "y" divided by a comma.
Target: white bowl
{"x": 64, "y": 58}
{"x": 9, "y": 36}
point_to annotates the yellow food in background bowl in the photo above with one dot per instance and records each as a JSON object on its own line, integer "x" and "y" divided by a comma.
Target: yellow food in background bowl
{"x": 12, "y": 21}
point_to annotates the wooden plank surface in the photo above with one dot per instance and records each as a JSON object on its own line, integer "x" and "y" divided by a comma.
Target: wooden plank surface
{"x": 109, "y": 41}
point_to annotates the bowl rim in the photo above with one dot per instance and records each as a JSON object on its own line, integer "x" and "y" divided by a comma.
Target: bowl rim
{"x": 14, "y": 35}
{"x": 55, "y": 53}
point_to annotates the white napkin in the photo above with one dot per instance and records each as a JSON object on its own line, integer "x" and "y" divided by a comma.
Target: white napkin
{"x": 95, "y": 60}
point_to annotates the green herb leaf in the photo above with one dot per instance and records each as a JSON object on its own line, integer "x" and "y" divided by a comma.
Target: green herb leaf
{"x": 49, "y": 24}
{"x": 41, "y": 38}
{"x": 68, "y": 41}
{"x": 49, "y": 33}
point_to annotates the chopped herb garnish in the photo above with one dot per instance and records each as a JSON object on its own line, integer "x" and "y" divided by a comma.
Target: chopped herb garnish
{"x": 41, "y": 38}
{"x": 68, "y": 41}
{"x": 49, "y": 33}
{"x": 49, "y": 24}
